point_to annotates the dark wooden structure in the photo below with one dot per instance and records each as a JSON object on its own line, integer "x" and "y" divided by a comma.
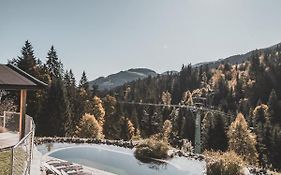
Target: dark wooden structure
{"x": 13, "y": 78}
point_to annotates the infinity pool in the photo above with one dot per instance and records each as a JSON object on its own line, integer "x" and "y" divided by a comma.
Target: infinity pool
{"x": 120, "y": 160}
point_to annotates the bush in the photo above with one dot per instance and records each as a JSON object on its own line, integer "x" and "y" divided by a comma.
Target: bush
{"x": 228, "y": 163}
{"x": 152, "y": 148}
{"x": 187, "y": 146}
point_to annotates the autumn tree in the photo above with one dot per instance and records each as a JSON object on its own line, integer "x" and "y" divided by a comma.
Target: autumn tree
{"x": 167, "y": 129}
{"x": 241, "y": 140}
{"x": 89, "y": 127}
{"x": 262, "y": 129}
{"x": 98, "y": 110}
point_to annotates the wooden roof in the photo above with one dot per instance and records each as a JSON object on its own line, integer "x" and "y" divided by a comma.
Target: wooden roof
{"x": 13, "y": 78}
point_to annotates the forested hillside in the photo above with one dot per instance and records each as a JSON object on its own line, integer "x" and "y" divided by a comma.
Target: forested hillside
{"x": 251, "y": 90}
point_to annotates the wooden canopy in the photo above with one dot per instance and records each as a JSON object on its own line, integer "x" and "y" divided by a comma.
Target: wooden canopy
{"x": 13, "y": 78}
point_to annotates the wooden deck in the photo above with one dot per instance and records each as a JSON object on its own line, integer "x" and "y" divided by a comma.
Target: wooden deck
{"x": 8, "y": 139}
{"x": 56, "y": 166}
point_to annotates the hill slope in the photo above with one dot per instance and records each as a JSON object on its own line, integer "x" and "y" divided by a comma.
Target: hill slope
{"x": 235, "y": 59}
{"x": 122, "y": 77}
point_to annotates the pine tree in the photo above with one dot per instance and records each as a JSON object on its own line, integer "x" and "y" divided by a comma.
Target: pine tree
{"x": 241, "y": 140}
{"x": 275, "y": 151}
{"x": 55, "y": 117}
{"x": 71, "y": 93}
{"x": 83, "y": 83}
{"x": 27, "y": 62}
{"x": 54, "y": 66}
{"x": 31, "y": 65}
{"x": 255, "y": 64}
{"x": 214, "y": 135}
{"x": 274, "y": 108}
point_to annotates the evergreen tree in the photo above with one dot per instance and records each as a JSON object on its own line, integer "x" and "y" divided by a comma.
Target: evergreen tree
{"x": 27, "y": 62}
{"x": 188, "y": 126}
{"x": 71, "y": 93}
{"x": 275, "y": 151}
{"x": 274, "y": 108}
{"x": 54, "y": 66}
{"x": 83, "y": 83}
{"x": 56, "y": 114}
{"x": 31, "y": 65}
{"x": 213, "y": 132}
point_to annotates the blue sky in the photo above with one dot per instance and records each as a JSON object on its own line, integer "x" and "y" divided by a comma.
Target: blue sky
{"x": 106, "y": 36}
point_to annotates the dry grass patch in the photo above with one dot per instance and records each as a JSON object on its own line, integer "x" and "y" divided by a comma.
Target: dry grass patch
{"x": 227, "y": 163}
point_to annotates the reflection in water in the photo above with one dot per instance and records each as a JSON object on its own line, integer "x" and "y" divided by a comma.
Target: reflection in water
{"x": 153, "y": 164}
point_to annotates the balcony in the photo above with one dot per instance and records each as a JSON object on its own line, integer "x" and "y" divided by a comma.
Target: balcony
{"x": 15, "y": 153}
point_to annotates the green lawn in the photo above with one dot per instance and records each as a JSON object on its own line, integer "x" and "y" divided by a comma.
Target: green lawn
{"x": 19, "y": 164}
{"x": 5, "y": 163}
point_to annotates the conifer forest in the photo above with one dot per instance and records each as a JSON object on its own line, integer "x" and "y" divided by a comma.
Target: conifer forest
{"x": 248, "y": 96}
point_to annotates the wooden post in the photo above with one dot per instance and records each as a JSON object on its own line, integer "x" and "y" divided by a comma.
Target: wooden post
{"x": 23, "y": 94}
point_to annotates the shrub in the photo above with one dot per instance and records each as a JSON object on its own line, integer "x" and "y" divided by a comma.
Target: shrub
{"x": 187, "y": 146}
{"x": 152, "y": 148}
{"x": 157, "y": 146}
{"x": 228, "y": 163}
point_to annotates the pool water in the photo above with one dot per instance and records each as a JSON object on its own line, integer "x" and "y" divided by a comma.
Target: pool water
{"x": 120, "y": 160}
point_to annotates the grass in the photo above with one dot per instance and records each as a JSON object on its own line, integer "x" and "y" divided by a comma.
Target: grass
{"x": 227, "y": 163}
{"x": 6, "y": 162}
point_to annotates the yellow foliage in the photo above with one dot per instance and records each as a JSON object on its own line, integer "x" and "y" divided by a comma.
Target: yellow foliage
{"x": 98, "y": 110}
{"x": 131, "y": 128}
{"x": 166, "y": 98}
{"x": 223, "y": 163}
{"x": 167, "y": 129}
{"x": 241, "y": 140}
{"x": 89, "y": 127}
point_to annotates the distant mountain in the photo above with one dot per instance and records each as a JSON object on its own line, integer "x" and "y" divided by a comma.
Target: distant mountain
{"x": 122, "y": 77}
{"x": 235, "y": 59}
{"x": 171, "y": 72}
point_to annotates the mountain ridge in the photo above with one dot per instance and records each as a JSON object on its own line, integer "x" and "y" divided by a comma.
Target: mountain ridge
{"x": 122, "y": 77}
{"x": 234, "y": 59}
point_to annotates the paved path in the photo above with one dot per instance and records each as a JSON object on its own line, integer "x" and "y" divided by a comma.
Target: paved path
{"x": 36, "y": 162}
{"x": 8, "y": 139}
